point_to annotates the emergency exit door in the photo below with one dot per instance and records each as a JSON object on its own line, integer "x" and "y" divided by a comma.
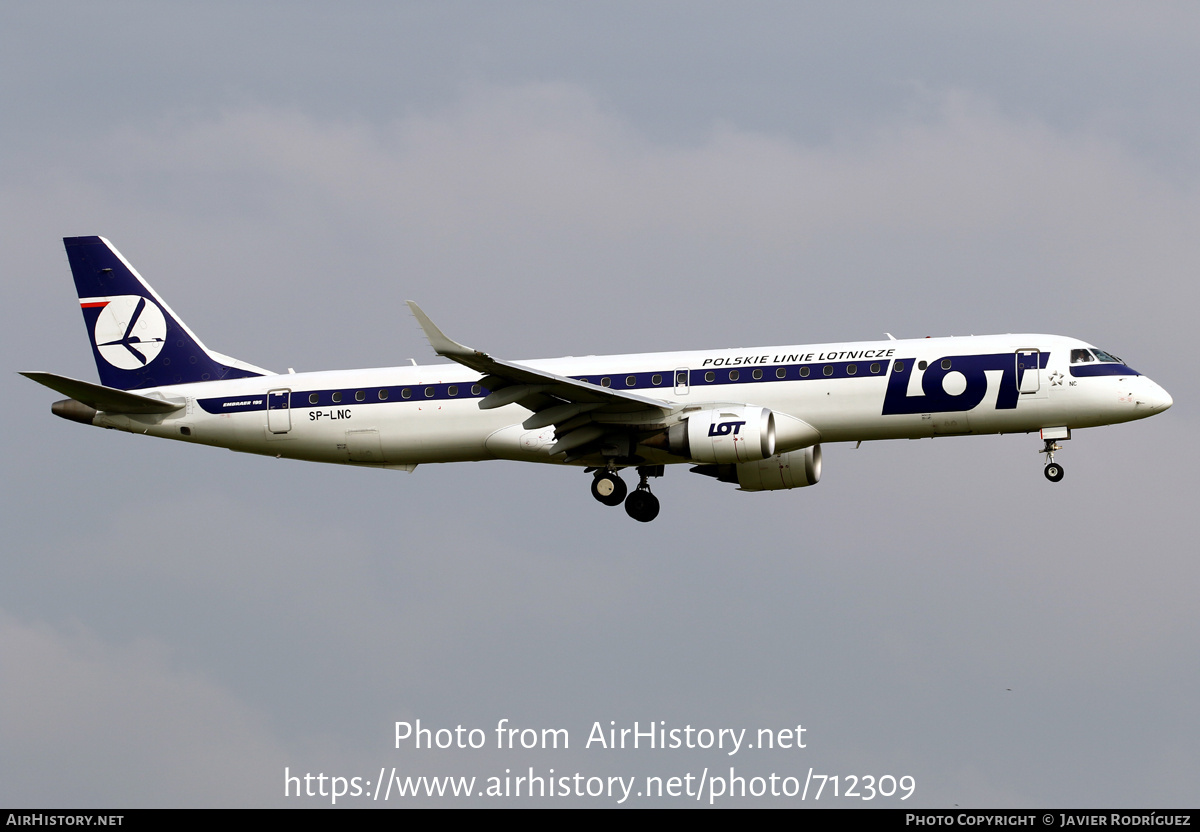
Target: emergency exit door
{"x": 279, "y": 412}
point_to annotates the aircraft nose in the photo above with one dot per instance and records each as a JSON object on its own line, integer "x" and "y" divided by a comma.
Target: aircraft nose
{"x": 1156, "y": 398}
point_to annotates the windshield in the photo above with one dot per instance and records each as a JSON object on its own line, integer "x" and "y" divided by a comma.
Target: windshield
{"x": 1111, "y": 359}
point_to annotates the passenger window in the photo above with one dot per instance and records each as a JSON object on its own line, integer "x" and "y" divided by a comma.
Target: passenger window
{"x": 710, "y": 376}
{"x": 945, "y": 363}
{"x": 631, "y": 381}
{"x": 360, "y": 396}
{"x": 406, "y": 393}
{"x": 451, "y": 390}
{"x": 757, "y": 374}
{"x": 337, "y": 397}
{"x": 605, "y": 382}
{"x": 383, "y": 394}
{"x": 828, "y": 369}
{"x": 899, "y": 367}
{"x": 781, "y": 372}
{"x": 476, "y": 389}
{"x": 874, "y": 368}
{"x": 429, "y": 392}
{"x": 313, "y": 398}
{"x": 656, "y": 379}
{"x": 921, "y": 365}
{"x": 803, "y": 372}
{"x": 851, "y": 369}
{"x": 734, "y": 375}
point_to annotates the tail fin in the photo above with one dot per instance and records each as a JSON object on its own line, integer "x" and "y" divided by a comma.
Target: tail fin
{"x": 137, "y": 340}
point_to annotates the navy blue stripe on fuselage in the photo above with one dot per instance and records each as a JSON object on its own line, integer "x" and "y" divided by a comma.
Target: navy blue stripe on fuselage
{"x": 345, "y": 397}
{"x": 663, "y": 380}
{"x": 1104, "y": 369}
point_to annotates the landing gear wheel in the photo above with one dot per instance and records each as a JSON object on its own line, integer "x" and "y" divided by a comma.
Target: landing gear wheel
{"x": 609, "y": 489}
{"x": 1054, "y": 472}
{"x": 642, "y": 506}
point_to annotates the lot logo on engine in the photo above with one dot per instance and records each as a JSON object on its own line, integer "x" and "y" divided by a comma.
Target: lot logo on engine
{"x": 725, "y": 428}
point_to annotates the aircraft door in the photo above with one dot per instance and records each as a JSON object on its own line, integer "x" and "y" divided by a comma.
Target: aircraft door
{"x": 681, "y": 381}
{"x": 279, "y": 413}
{"x": 1028, "y": 371}
{"x": 364, "y": 446}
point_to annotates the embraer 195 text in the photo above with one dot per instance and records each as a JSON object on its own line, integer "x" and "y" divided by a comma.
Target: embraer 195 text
{"x": 752, "y": 417}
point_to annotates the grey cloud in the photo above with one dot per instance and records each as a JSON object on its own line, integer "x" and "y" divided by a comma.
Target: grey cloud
{"x": 150, "y": 733}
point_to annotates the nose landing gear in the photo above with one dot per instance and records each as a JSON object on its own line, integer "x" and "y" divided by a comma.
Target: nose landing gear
{"x": 1054, "y": 472}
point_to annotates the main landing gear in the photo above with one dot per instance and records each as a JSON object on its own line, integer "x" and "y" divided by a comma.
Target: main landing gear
{"x": 609, "y": 488}
{"x": 640, "y": 504}
{"x": 1054, "y": 472}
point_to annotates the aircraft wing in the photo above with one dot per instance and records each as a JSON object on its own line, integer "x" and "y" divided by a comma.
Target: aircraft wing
{"x": 99, "y": 397}
{"x": 581, "y": 412}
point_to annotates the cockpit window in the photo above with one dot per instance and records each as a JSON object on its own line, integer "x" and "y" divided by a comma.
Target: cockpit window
{"x": 1081, "y": 356}
{"x": 1111, "y": 359}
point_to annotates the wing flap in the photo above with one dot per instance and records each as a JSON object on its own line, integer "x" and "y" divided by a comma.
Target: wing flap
{"x": 587, "y": 418}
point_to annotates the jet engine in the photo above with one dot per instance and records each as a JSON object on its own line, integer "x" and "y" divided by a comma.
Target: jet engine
{"x": 738, "y": 433}
{"x": 725, "y": 435}
{"x": 791, "y": 470}
{"x": 794, "y": 469}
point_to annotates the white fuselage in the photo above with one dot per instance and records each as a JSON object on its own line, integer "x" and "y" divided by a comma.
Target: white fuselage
{"x": 403, "y": 416}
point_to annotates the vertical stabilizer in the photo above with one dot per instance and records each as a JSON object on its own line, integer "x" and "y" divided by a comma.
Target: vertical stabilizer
{"x": 137, "y": 340}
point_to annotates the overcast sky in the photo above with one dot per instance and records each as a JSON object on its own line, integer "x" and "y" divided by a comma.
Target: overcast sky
{"x": 178, "y": 624}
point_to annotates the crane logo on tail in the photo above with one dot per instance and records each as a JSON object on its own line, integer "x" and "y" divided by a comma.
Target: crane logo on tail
{"x": 130, "y": 330}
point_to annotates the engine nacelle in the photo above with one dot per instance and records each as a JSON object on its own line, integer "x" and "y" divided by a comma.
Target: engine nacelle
{"x": 725, "y": 435}
{"x": 791, "y": 470}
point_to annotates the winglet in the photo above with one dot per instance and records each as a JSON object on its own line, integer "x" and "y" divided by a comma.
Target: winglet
{"x": 437, "y": 339}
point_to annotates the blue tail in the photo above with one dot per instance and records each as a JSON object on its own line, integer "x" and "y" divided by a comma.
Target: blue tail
{"x": 137, "y": 340}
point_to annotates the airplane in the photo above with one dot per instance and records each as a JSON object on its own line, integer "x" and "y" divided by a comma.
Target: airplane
{"x": 752, "y": 417}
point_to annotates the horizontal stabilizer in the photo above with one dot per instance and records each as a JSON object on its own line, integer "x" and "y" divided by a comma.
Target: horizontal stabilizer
{"x": 103, "y": 398}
